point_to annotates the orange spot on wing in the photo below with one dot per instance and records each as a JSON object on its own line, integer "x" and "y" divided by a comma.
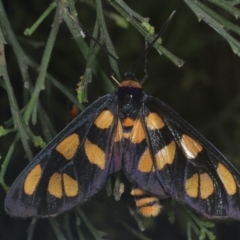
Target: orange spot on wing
{"x": 166, "y": 155}
{"x": 154, "y": 121}
{"x": 119, "y": 132}
{"x": 145, "y": 163}
{"x": 190, "y": 147}
{"x": 191, "y": 186}
{"x": 227, "y": 179}
{"x": 32, "y": 180}
{"x": 70, "y": 186}
{"x": 137, "y": 134}
{"x": 55, "y": 185}
{"x": 206, "y": 186}
{"x": 94, "y": 154}
{"x": 69, "y": 146}
{"x": 104, "y": 119}
{"x": 199, "y": 183}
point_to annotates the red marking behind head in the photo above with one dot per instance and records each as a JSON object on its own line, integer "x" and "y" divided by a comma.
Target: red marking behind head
{"x": 130, "y": 83}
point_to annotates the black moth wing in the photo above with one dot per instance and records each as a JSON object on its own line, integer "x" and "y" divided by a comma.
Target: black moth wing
{"x": 217, "y": 192}
{"x": 65, "y": 172}
{"x": 186, "y": 166}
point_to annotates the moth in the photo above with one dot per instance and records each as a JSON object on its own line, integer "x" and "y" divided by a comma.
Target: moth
{"x": 160, "y": 153}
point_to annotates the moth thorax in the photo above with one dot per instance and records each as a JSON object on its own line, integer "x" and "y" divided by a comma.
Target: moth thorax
{"x": 129, "y": 99}
{"x": 146, "y": 204}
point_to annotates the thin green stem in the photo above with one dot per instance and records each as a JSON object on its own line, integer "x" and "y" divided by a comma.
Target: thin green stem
{"x": 130, "y": 12}
{"x": 31, "y": 229}
{"x": 216, "y": 22}
{"x": 120, "y": 6}
{"x": 108, "y": 42}
{"x": 234, "y": 2}
{"x": 43, "y": 66}
{"x": 57, "y": 230}
{"x": 31, "y": 30}
{"x": 119, "y": 20}
{"x": 227, "y": 6}
{"x": 98, "y": 235}
{"x": 133, "y": 231}
{"x": 223, "y": 22}
{"x": 6, "y": 162}
{"x": 12, "y": 40}
{"x": 17, "y": 117}
{"x": 83, "y": 47}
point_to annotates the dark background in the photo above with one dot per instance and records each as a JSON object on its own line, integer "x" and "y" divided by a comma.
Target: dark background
{"x": 204, "y": 91}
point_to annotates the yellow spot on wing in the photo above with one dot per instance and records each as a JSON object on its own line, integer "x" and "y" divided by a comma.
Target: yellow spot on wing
{"x": 154, "y": 121}
{"x": 206, "y": 186}
{"x": 70, "y": 186}
{"x": 190, "y": 147}
{"x": 166, "y": 155}
{"x": 55, "y": 185}
{"x": 32, "y": 179}
{"x": 94, "y": 154}
{"x": 227, "y": 179}
{"x": 119, "y": 132}
{"x": 137, "y": 133}
{"x": 191, "y": 186}
{"x": 69, "y": 146}
{"x": 145, "y": 163}
{"x": 104, "y": 119}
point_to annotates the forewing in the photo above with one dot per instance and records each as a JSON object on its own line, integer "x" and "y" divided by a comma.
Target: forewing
{"x": 188, "y": 167}
{"x": 73, "y": 167}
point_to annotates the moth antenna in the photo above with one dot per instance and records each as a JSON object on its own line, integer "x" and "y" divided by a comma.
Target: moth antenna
{"x": 99, "y": 44}
{"x": 144, "y": 79}
{"x": 115, "y": 80}
{"x": 145, "y": 64}
{"x": 164, "y": 27}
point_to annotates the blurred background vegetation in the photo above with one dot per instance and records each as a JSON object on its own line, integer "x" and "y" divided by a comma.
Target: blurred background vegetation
{"x": 205, "y": 91}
